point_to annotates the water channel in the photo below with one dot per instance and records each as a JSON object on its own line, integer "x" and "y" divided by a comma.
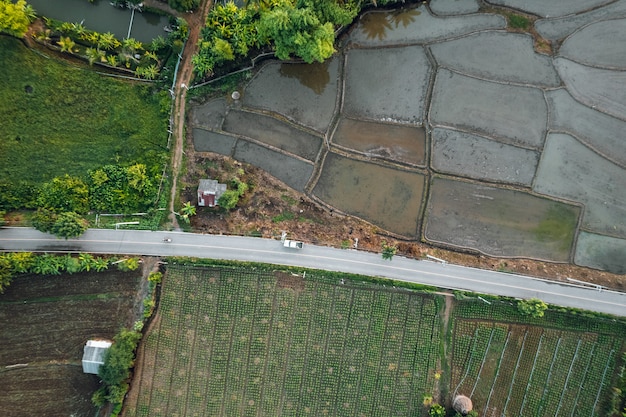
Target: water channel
{"x": 101, "y": 16}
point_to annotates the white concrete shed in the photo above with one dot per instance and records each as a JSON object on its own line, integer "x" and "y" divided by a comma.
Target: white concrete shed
{"x": 93, "y": 355}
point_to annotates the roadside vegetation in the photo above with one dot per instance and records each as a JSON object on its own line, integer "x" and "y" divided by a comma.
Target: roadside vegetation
{"x": 15, "y": 17}
{"x": 15, "y": 264}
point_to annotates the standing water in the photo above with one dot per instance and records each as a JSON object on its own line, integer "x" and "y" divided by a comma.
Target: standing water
{"x": 101, "y": 16}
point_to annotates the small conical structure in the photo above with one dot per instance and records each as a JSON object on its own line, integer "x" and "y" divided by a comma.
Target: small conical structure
{"x": 462, "y": 404}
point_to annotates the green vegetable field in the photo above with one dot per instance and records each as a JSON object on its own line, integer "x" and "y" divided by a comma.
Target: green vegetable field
{"x": 235, "y": 342}
{"x": 247, "y": 341}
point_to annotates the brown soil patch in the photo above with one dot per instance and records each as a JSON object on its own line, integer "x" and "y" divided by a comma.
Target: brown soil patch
{"x": 46, "y": 322}
{"x": 287, "y": 280}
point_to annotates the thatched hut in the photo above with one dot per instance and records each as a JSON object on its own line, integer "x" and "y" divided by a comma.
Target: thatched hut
{"x": 462, "y": 404}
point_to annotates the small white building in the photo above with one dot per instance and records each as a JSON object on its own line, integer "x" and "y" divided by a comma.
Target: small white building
{"x": 209, "y": 191}
{"x": 93, "y": 355}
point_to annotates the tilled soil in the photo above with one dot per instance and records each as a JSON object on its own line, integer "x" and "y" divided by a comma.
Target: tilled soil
{"x": 46, "y": 322}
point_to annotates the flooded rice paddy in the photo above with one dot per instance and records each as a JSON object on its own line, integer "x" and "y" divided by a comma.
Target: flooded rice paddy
{"x": 498, "y": 221}
{"x": 465, "y": 154}
{"x": 395, "y": 142}
{"x": 308, "y": 99}
{"x": 400, "y": 98}
{"x": 531, "y": 145}
{"x": 273, "y": 132}
{"x": 388, "y": 197}
{"x": 572, "y": 171}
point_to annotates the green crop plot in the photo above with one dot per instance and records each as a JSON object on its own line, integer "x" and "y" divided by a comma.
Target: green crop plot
{"x": 517, "y": 369}
{"x": 237, "y": 342}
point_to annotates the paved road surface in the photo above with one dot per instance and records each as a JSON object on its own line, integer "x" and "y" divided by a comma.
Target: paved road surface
{"x": 319, "y": 257}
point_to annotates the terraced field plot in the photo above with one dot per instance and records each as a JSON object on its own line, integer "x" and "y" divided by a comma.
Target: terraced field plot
{"x": 232, "y": 342}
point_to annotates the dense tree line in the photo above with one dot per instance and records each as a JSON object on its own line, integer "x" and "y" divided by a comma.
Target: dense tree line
{"x": 108, "y": 189}
{"x": 62, "y": 201}
{"x": 303, "y": 29}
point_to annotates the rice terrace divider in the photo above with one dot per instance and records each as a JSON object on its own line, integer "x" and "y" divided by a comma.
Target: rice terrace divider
{"x": 248, "y": 340}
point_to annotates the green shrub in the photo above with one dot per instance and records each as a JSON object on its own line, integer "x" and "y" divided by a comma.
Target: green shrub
{"x": 533, "y": 307}
{"x": 388, "y": 250}
{"x": 129, "y": 264}
{"x": 155, "y": 277}
{"x": 115, "y": 371}
{"x": 437, "y": 410}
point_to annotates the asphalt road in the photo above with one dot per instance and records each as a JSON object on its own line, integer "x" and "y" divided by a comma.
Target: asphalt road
{"x": 318, "y": 257}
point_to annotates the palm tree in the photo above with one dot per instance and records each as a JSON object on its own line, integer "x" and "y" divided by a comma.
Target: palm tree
{"x": 100, "y": 264}
{"x": 149, "y": 73}
{"x": 91, "y": 37}
{"x": 151, "y": 55}
{"x": 78, "y": 29}
{"x": 112, "y": 60}
{"x": 188, "y": 210}
{"x": 132, "y": 45}
{"x": 107, "y": 41}
{"x": 86, "y": 261}
{"x": 93, "y": 55}
{"x": 66, "y": 44}
{"x": 157, "y": 43}
{"x": 66, "y": 28}
{"x": 30, "y": 12}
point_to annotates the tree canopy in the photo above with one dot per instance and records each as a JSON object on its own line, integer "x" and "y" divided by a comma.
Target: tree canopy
{"x": 297, "y": 32}
{"x": 300, "y": 29}
{"x": 15, "y": 17}
{"x": 66, "y": 224}
{"x": 64, "y": 193}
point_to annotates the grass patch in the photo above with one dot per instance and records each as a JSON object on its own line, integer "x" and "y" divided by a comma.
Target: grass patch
{"x": 59, "y": 118}
{"x": 517, "y": 21}
{"x": 290, "y": 200}
{"x": 283, "y": 217}
{"x": 558, "y": 225}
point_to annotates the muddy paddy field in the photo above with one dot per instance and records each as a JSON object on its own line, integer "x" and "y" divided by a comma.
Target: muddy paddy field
{"x": 444, "y": 91}
{"x": 46, "y": 322}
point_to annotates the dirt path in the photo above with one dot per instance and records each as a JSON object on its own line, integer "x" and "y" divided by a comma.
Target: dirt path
{"x": 185, "y": 71}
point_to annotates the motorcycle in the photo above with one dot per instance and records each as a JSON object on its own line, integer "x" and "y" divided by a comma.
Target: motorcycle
{"x": 167, "y": 240}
